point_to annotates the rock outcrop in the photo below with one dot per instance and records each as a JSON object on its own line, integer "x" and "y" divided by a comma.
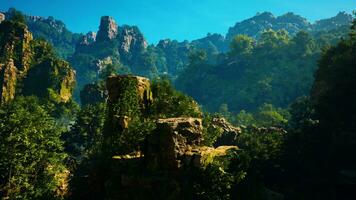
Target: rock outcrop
{"x": 15, "y": 46}
{"x": 229, "y": 134}
{"x": 24, "y": 60}
{"x": 57, "y": 80}
{"x": 176, "y": 145}
{"x": 2, "y": 17}
{"x": 129, "y": 97}
{"x": 131, "y": 40}
{"x": 173, "y": 138}
{"x": 108, "y": 29}
{"x": 88, "y": 39}
{"x": 116, "y": 85}
{"x": 8, "y": 78}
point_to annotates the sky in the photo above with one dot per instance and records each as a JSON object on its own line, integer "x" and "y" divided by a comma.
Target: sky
{"x": 174, "y": 19}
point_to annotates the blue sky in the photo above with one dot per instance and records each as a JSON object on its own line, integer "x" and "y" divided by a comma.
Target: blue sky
{"x": 175, "y": 19}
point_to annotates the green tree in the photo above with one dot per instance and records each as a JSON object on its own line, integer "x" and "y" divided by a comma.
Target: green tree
{"x": 241, "y": 45}
{"x": 31, "y": 152}
{"x": 169, "y": 102}
{"x": 85, "y": 136}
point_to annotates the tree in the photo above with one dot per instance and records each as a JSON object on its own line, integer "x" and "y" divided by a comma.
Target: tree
{"x": 31, "y": 152}
{"x": 85, "y": 136}
{"x": 241, "y": 45}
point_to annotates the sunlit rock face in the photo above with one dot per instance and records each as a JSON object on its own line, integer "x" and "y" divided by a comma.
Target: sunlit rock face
{"x": 131, "y": 40}
{"x": 2, "y": 17}
{"x": 25, "y": 60}
{"x": 108, "y": 29}
{"x": 176, "y": 144}
{"x": 171, "y": 140}
{"x": 15, "y": 46}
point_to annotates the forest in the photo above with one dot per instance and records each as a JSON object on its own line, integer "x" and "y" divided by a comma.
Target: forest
{"x": 267, "y": 112}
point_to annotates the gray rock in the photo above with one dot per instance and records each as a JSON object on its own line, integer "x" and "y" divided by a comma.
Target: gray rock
{"x": 108, "y": 29}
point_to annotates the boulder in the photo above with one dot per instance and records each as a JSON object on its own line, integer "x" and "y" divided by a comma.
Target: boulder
{"x": 173, "y": 137}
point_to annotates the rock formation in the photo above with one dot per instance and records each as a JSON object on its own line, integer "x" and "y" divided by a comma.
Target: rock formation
{"x": 88, "y": 39}
{"x": 131, "y": 40}
{"x": 129, "y": 98}
{"x": 2, "y": 17}
{"x": 116, "y": 85}
{"x": 15, "y": 46}
{"x": 25, "y": 60}
{"x": 176, "y": 144}
{"x": 229, "y": 134}
{"x": 108, "y": 29}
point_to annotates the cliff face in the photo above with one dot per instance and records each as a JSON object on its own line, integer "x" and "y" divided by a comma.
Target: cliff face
{"x": 16, "y": 57}
{"x": 29, "y": 67}
{"x": 57, "y": 80}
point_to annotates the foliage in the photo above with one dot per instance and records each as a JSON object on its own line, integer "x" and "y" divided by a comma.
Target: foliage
{"x": 85, "y": 136}
{"x": 170, "y": 103}
{"x": 241, "y": 45}
{"x": 212, "y": 183}
{"x": 31, "y": 151}
{"x": 210, "y": 133}
{"x": 253, "y": 73}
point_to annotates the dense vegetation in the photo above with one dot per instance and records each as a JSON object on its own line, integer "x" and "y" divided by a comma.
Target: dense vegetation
{"x": 295, "y": 132}
{"x": 254, "y": 72}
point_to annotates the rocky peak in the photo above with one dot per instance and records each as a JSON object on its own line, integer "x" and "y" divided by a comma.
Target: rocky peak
{"x": 108, "y": 29}
{"x": 88, "y": 39}
{"x": 254, "y": 26}
{"x": 131, "y": 40}
{"x": 265, "y": 16}
{"x": 162, "y": 44}
{"x": 341, "y": 19}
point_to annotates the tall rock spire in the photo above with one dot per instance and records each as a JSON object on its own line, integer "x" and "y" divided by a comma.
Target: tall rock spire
{"x": 108, "y": 29}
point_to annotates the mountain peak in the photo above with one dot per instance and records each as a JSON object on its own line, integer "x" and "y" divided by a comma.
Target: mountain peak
{"x": 108, "y": 29}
